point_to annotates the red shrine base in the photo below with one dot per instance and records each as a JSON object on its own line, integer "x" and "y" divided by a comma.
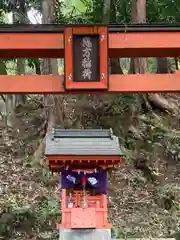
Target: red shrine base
{"x": 95, "y": 215}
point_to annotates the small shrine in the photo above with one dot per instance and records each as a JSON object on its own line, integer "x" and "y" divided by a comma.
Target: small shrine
{"x": 83, "y": 157}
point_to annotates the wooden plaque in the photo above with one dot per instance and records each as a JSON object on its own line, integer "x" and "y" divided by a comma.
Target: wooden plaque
{"x": 86, "y": 58}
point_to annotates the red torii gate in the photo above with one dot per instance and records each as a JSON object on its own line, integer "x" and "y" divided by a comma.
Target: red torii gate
{"x": 57, "y": 41}
{"x": 47, "y": 41}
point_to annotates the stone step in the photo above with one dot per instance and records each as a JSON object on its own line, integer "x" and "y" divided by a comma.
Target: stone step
{"x": 95, "y": 234}
{"x": 85, "y": 234}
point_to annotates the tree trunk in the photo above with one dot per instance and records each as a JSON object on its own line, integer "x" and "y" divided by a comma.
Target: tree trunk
{"x": 49, "y": 66}
{"x": 139, "y": 11}
{"x": 139, "y": 65}
{"x": 109, "y": 14}
{"x": 106, "y": 11}
{"x": 20, "y": 99}
{"x": 53, "y": 104}
{"x": 157, "y": 100}
{"x": 38, "y": 68}
{"x": 4, "y": 100}
{"x": 176, "y": 63}
{"x": 162, "y": 65}
{"x": 12, "y": 101}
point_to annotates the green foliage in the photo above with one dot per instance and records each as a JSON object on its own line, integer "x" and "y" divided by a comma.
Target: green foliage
{"x": 97, "y": 11}
{"x": 123, "y": 14}
{"x": 32, "y": 63}
{"x": 177, "y": 236}
{"x": 152, "y": 68}
{"x": 126, "y": 100}
{"x": 2, "y": 68}
{"x": 48, "y": 179}
{"x": 48, "y": 209}
{"x": 78, "y": 5}
{"x": 118, "y": 233}
{"x": 15, "y": 216}
{"x": 167, "y": 196}
{"x": 36, "y": 4}
{"x": 91, "y": 11}
{"x": 2, "y": 16}
{"x": 163, "y": 11}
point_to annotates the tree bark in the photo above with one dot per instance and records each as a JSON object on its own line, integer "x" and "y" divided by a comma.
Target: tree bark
{"x": 139, "y": 11}
{"x": 20, "y": 99}
{"x": 106, "y": 11}
{"x": 157, "y": 100}
{"x": 49, "y": 66}
{"x": 38, "y": 68}
{"x": 139, "y": 65}
{"x": 109, "y": 14}
{"x": 53, "y": 104}
{"x": 162, "y": 65}
{"x": 12, "y": 101}
{"x": 176, "y": 63}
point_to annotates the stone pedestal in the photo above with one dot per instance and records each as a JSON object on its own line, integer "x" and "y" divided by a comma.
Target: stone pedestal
{"x": 85, "y": 234}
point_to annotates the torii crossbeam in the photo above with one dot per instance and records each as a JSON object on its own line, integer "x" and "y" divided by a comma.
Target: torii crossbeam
{"x": 47, "y": 41}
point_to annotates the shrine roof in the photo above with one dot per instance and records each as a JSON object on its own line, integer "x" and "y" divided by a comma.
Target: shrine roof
{"x": 82, "y": 142}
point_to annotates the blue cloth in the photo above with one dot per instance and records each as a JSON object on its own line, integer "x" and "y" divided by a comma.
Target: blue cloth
{"x": 98, "y": 181}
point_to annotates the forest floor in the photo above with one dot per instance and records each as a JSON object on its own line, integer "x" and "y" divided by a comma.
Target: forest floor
{"x": 29, "y": 193}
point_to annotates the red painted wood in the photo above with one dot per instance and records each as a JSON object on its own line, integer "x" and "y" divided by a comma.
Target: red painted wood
{"x": 147, "y": 44}
{"x": 69, "y": 83}
{"x": 140, "y": 83}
